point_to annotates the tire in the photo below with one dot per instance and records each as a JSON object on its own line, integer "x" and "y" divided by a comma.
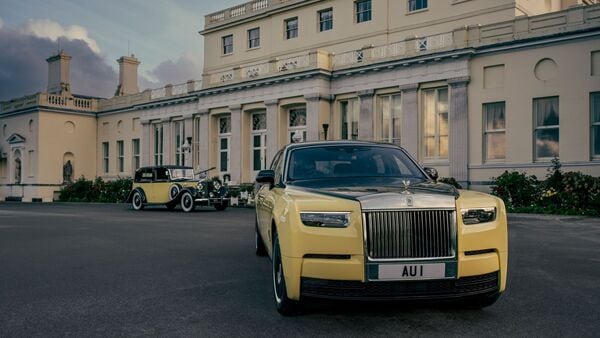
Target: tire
{"x": 259, "y": 245}
{"x": 285, "y": 306}
{"x": 221, "y": 206}
{"x": 137, "y": 201}
{"x": 174, "y": 190}
{"x": 187, "y": 201}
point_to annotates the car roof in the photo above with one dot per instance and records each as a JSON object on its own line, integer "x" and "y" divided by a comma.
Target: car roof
{"x": 166, "y": 167}
{"x": 312, "y": 144}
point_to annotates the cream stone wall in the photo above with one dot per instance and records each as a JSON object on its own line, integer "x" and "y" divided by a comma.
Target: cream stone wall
{"x": 112, "y": 128}
{"x": 518, "y": 85}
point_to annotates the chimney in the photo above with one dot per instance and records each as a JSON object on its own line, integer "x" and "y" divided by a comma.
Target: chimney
{"x": 58, "y": 73}
{"x": 128, "y": 77}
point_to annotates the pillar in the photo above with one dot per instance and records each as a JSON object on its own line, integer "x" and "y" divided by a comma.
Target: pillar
{"x": 458, "y": 151}
{"x": 168, "y": 151}
{"x": 203, "y": 141}
{"x": 188, "y": 129}
{"x": 365, "y": 119}
{"x": 235, "y": 148}
{"x": 273, "y": 126}
{"x": 313, "y": 113}
{"x": 409, "y": 137}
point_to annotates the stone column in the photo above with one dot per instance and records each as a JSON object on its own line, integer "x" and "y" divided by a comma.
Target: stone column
{"x": 145, "y": 143}
{"x": 168, "y": 156}
{"x": 188, "y": 128}
{"x": 235, "y": 148}
{"x": 458, "y": 151}
{"x": 313, "y": 113}
{"x": 273, "y": 126}
{"x": 204, "y": 141}
{"x": 409, "y": 137}
{"x": 366, "y": 116}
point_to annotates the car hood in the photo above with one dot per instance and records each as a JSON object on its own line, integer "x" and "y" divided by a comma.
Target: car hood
{"x": 384, "y": 193}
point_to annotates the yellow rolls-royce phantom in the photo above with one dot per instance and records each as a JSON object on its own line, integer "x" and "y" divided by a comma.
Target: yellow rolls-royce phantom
{"x": 360, "y": 220}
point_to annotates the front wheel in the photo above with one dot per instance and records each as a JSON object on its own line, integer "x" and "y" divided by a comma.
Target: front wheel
{"x": 285, "y": 306}
{"x": 137, "y": 201}
{"x": 187, "y": 202}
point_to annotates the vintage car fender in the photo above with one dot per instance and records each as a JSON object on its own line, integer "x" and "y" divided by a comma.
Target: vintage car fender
{"x": 130, "y": 197}
{"x": 191, "y": 190}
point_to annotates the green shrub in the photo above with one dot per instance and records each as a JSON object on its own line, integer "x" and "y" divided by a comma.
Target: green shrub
{"x": 517, "y": 189}
{"x": 450, "y": 180}
{"x": 83, "y": 190}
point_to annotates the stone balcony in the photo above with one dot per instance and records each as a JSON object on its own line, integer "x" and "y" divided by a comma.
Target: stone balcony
{"x": 579, "y": 18}
{"x": 46, "y": 100}
{"x": 244, "y": 11}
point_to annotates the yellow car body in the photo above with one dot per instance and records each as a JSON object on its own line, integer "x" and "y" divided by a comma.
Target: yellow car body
{"x": 340, "y": 263}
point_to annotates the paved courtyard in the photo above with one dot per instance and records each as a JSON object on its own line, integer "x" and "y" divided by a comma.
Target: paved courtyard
{"x": 105, "y": 270}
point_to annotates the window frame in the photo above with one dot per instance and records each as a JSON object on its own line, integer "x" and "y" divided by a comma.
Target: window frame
{"x": 293, "y": 129}
{"x": 121, "y": 156}
{"x": 352, "y": 112}
{"x": 487, "y": 132}
{"x": 595, "y": 153}
{"x": 358, "y": 14}
{"x": 537, "y": 128}
{"x": 256, "y": 39}
{"x": 288, "y": 30}
{"x": 322, "y": 22}
{"x": 106, "y": 157}
{"x": 178, "y": 140}
{"x": 227, "y": 136}
{"x": 437, "y": 157}
{"x": 391, "y": 138}
{"x": 224, "y": 50}
{"x": 135, "y": 154}
{"x": 411, "y": 3}
{"x": 158, "y": 134}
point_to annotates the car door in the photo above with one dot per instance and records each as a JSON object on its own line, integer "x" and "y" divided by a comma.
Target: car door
{"x": 265, "y": 201}
{"x": 160, "y": 187}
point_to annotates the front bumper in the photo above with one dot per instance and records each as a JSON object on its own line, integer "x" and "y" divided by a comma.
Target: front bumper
{"x": 486, "y": 284}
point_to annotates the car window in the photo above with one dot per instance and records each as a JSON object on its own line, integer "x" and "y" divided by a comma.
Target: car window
{"x": 350, "y": 161}
{"x": 144, "y": 175}
{"x": 161, "y": 174}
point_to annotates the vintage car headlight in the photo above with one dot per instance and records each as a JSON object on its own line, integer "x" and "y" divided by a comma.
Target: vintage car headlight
{"x": 326, "y": 219}
{"x": 478, "y": 215}
{"x": 216, "y": 185}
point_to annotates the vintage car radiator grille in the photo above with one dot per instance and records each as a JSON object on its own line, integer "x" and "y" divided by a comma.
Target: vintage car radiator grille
{"x": 410, "y": 234}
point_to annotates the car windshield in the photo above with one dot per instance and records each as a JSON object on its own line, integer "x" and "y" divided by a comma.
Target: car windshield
{"x": 182, "y": 174}
{"x": 356, "y": 161}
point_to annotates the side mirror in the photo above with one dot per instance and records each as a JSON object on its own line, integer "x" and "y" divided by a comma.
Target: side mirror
{"x": 432, "y": 173}
{"x": 266, "y": 177}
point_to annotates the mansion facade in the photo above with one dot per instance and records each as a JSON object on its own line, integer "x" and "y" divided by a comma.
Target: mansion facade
{"x": 470, "y": 87}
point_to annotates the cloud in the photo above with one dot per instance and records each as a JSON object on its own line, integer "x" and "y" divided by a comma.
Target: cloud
{"x": 45, "y": 28}
{"x": 1, "y": 23}
{"x": 187, "y": 67}
{"x": 24, "y": 71}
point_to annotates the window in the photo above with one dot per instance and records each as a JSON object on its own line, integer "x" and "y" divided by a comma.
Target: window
{"x": 435, "y": 116}
{"x": 391, "y": 118}
{"x": 259, "y": 141}
{"x": 416, "y": 5}
{"x": 349, "y": 111}
{"x": 121, "y": 156}
{"x": 224, "y": 137}
{"x": 363, "y": 10}
{"x": 297, "y": 124}
{"x": 158, "y": 144}
{"x": 254, "y": 38}
{"x": 546, "y": 122}
{"x": 135, "y": 151}
{"x": 227, "y": 44}
{"x": 179, "y": 139}
{"x": 291, "y": 28}
{"x": 494, "y": 130}
{"x": 105, "y": 155}
{"x": 326, "y": 20}
{"x": 595, "y": 132}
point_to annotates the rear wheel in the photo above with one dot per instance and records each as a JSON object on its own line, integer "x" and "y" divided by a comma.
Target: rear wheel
{"x": 285, "y": 306}
{"x": 259, "y": 245}
{"x": 187, "y": 201}
{"x": 137, "y": 201}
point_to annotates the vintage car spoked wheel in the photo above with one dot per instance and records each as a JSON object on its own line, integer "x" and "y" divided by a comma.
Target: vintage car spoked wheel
{"x": 187, "y": 201}
{"x": 285, "y": 306}
{"x": 137, "y": 201}
{"x": 258, "y": 242}
{"x": 174, "y": 191}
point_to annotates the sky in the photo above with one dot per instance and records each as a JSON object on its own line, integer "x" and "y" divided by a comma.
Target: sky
{"x": 163, "y": 35}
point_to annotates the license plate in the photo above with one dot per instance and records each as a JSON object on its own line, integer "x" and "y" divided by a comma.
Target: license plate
{"x": 412, "y": 271}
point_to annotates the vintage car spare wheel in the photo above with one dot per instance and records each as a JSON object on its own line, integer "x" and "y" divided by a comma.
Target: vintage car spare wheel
{"x": 174, "y": 190}
{"x": 187, "y": 201}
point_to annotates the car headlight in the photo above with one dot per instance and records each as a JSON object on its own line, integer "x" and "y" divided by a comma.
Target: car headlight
{"x": 326, "y": 219}
{"x": 478, "y": 215}
{"x": 216, "y": 185}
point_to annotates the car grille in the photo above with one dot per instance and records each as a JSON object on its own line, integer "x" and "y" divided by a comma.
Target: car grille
{"x": 410, "y": 234}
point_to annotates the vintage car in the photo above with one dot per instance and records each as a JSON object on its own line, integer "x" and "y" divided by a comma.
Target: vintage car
{"x": 363, "y": 221}
{"x": 176, "y": 185}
